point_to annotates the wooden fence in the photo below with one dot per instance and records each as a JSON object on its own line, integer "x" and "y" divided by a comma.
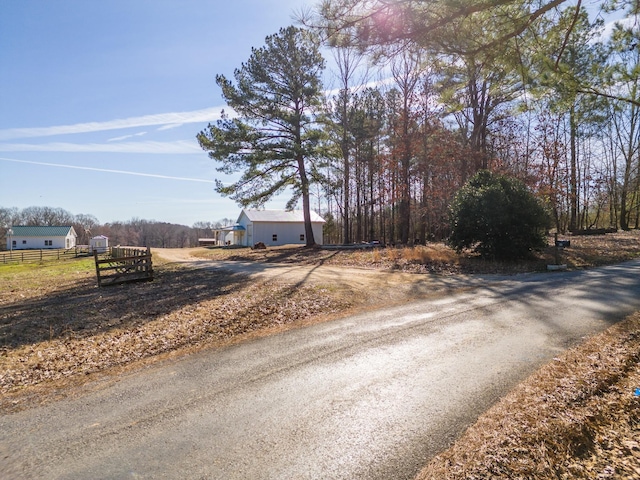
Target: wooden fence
{"x": 123, "y": 265}
{"x": 31, "y": 256}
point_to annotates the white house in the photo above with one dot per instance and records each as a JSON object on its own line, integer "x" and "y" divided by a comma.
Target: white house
{"x": 276, "y": 227}
{"x": 99, "y": 243}
{"x": 27, "y": 238}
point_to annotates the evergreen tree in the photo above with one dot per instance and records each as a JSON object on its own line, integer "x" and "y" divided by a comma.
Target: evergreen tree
{"x": 274, "y": 139}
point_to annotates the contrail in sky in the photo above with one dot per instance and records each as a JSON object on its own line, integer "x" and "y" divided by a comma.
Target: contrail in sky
{"x": 167, "y": 120}
{"x": 122, "y": 172}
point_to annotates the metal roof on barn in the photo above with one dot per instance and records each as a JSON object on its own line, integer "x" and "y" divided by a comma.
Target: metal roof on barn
{"x": 24, "y": 231}
{"x": 280, "y": 216}
{"x": 233, "y": 228}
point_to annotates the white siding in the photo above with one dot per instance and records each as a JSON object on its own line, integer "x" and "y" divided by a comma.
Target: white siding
{"x": 286, "y": 232}
{"x": 100, "y": 243}
{"x": 317, "y": 233}
{"x": 229, "y": 238}
{"x": 69, "y": 242}
{"x": 38, "y": 243}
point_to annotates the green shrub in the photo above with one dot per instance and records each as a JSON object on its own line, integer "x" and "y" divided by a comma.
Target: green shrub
{"x": 497, "y": 217}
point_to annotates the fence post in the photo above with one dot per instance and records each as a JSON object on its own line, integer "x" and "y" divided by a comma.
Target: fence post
{"x": 95, "y": 258}
{"x": 150, "y": 271}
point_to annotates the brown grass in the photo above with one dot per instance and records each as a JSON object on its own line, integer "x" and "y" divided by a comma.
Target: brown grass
{"x": 585, "y": 252}
{"x": 576, "y": 418}
{"x": 599, "y": 250}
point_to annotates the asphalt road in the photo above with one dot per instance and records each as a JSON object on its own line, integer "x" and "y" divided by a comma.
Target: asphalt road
{"x": 372, "y": 396}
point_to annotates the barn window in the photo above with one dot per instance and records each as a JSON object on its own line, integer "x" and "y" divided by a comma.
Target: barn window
{"x": 48, "y": 243}
{"x": 24, "y": 242}
{"x": 13, "y": 243}
{"x": 274, "y": 237}
{"x": 302, "y": 237}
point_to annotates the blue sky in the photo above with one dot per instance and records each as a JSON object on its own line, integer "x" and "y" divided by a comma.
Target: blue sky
{"x": 100, "y": 102}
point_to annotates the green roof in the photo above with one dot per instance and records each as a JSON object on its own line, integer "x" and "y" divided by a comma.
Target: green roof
{"x": 22, "y": 231}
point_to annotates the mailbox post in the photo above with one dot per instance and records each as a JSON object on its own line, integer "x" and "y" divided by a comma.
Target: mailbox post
{"x": 559, "y": 246}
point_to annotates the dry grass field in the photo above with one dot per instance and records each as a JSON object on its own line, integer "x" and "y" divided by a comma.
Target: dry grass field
{"x": 585, "y": 252}
{"x": 576, "y": 418}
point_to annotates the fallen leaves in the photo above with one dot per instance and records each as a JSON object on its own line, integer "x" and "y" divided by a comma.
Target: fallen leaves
{"x": 576, "y": 418}
{"x": 121, "y": 325}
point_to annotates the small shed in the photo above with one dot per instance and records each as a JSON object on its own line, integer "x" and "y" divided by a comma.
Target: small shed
{"x": 40, "y": 237}
{"x": 99, "y": 243}
{"x": 278, "y": 227}
{"x": 207, "y": 242}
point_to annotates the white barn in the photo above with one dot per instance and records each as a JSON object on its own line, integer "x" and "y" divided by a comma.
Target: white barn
{"x": 276, "y": 227}
{"x": 29, "y": 238}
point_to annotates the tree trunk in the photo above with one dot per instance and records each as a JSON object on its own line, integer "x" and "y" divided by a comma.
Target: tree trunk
{"x": 306, "y": 203}
{"x": 573, "y": 194}
{"x": 346, "y": 232}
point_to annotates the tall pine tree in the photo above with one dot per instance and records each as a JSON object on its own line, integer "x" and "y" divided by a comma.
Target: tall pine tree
{"x": 274, "y": 138}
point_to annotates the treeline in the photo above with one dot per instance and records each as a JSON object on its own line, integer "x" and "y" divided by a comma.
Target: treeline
{"x": 425, "y": 95}
{"x": 135, "y": 232}
{"x": 568, "y": 127}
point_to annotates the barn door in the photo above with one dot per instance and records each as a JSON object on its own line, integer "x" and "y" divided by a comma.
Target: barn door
{"x": 250, "y": 235}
